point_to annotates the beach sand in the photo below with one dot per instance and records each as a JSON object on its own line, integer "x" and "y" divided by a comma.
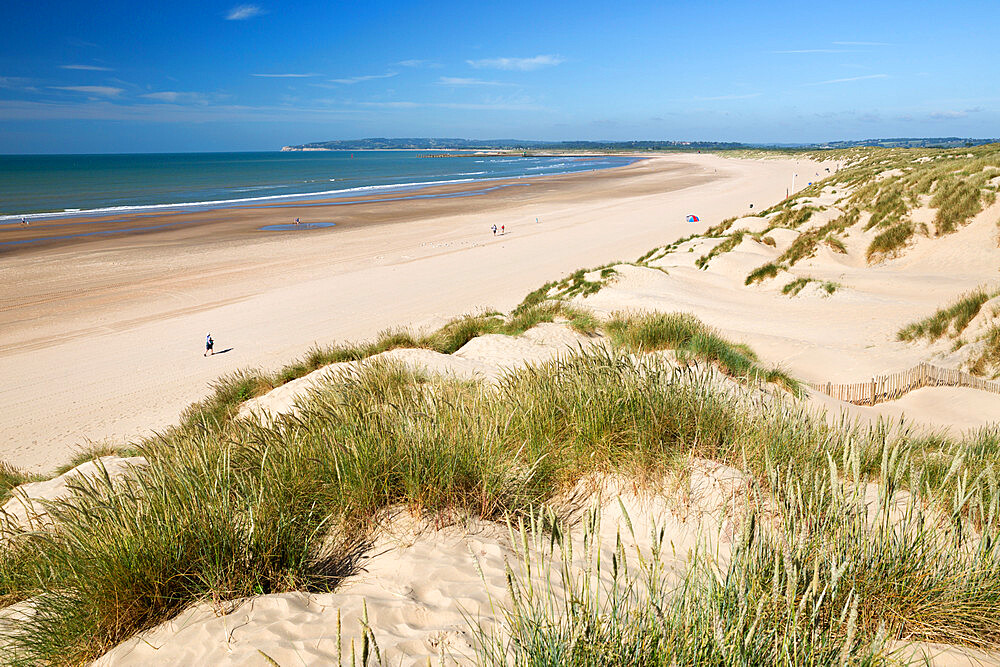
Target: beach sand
{"x": 103, "y": 336}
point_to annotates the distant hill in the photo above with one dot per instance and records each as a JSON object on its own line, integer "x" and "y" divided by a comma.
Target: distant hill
{"x": 909, "y": 142}
{"x": 506, "y": 144}
{"x": 521, "y": 144}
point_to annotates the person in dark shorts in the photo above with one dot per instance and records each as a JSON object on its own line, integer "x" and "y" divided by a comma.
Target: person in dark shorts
{"x": 209, "y": 345}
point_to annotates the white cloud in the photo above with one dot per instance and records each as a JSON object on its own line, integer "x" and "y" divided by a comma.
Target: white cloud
{"x": 462, "y": 81}
{"x": 88, "y": 68}
{"x": 106, "y": 91}
{"x": 284, "y": 76}
{"x": 522, "y": 64}
{"x": 358, "y": 79}
{"x": 850, "y": 78}
{"x": 244, "y": 12}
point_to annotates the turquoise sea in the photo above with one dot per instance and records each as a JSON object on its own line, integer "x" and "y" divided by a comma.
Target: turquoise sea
{"x": 37, "y": 186}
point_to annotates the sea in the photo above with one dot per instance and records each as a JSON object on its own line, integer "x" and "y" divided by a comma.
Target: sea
{"x": 46, "y": 186}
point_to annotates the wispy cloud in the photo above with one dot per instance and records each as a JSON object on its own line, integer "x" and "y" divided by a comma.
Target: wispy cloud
{"x": 521, "y": 64}
{"x": 173, "y": 96}
{"x": 728, "y": 97}
{"x": 286, "y": 75}
{"x": 462, "y": 81}
{"x": 812, "y": 51}
{"x": 862, "y": 43}
{"x": 100, "y": 109}
{"x": 948, "y": 115}
{"x": 847, "y": 79}
{"x": 12, "y": 82}
{"x": 106, "y": 91}
{"x": 87, "y": 68}
{"x": 415, "y": 62}
{"x": 244, "y": 12}
{"x": 490, "y": 105}
{"x": 358, "y": 79}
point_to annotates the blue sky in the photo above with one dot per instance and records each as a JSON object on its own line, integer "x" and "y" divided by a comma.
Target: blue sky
{"x": 187, "y": 76}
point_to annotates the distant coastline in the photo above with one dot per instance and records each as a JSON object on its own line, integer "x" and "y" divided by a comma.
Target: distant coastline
{"x": 515, "y": 145}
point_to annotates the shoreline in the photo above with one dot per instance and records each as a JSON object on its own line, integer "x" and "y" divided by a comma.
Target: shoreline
{"x": 14, "y": 219}
{"x": 106, "y": 334}
{"x": 14, "y": 236}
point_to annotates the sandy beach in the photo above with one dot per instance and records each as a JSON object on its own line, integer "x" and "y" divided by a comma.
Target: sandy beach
{"x": 103, "y": 336}
{"x": 107, "y": 334}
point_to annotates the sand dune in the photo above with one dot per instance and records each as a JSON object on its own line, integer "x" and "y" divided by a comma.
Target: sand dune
{"x": 423, "y": 589}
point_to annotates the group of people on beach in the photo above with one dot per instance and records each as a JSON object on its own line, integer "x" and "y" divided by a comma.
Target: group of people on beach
{"x": 503, "y": 228}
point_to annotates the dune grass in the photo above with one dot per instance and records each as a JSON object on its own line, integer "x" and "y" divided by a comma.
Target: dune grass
{"x": 821, "y": 573}
{"x": 691, "y": 339}
{"x": 987, "y": 361}
{"x": 804, "y": 247}
{"x": 890, "y": 242}
{"x": 959, "y": 198}
{"x": 11, "y": 477}
{"x": 729, "y": 244}
{"x": 242, "y": 508}
{"x": 951, "y": 320}
{"x": 797, "y": 285}
{"x": 575, "y": 284}
{"x": 769, "y": 270}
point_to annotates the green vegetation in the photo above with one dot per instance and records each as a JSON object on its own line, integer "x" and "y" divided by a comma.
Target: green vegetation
{"x": 828, "y": 581}
{"x": 890, "y": 242}
{"x": 951, "y": 320}
{"x": 888, "y": 184}
{"x": 987, "y": 360}
{"x": 805, "y": 245}
{"x": 11, "y": 477}
{"x": 248, "y": 508}
{"x": 957, "y": 200}
{"x": 769, "y": 270}
{"x": 793, "y": 218}
{"x": 729, "y": 244}
{"x": 718, "y": 230}
{"x": 575, "y": 284}
{"x": 797, "y": 285}
{"x": 94, "y": 452}
{"x": 691, "y": 340}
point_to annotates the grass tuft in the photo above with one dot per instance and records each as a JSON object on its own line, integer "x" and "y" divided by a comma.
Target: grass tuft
{"x": 890, "y": 242}
{"x": 769, "y": 270}
{"x": 951, "y": 320}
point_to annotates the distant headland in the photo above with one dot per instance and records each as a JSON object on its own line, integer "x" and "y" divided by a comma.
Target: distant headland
{"x": 521, "y": 144}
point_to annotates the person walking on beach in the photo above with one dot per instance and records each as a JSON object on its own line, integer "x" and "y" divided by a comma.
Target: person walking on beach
{"x": 209, "y": 345}
{"x": 296, "y": 221}
{"x": 502, "y": 229}
{"x": 24, "y": 221}
{"x": 494, "y": 228}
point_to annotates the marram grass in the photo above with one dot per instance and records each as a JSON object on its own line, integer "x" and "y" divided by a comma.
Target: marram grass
{"x": 243, "y": 508}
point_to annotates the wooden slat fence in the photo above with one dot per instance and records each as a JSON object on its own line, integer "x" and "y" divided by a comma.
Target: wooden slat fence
{"x": 890, "y": 387}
